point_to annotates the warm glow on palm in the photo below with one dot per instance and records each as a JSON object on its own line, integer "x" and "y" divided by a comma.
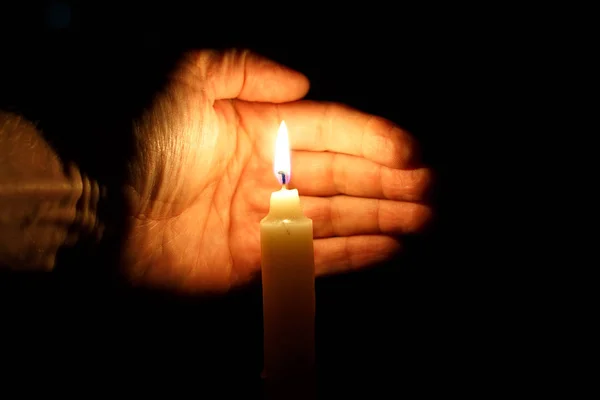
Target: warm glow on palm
{"x": 204, "y": 176}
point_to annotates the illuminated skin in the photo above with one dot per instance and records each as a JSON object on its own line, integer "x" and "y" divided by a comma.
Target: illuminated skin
{"x": 203, "y": 176}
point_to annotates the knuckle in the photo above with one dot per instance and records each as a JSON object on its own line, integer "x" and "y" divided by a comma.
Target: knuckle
{"x": 337, "y": 174}
{"x": 334, "y": 216}
{"x": 199, "y": 59}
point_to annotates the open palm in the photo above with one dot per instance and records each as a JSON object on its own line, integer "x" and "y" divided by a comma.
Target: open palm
{"x": 202, "y": 176}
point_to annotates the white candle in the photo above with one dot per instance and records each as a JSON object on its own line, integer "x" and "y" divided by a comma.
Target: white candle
{"x": 288, "y": 284}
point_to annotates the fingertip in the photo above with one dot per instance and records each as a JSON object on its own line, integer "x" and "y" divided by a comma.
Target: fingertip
{"x": 241, "y": 74}
{"x": 386, "y": 143}
{"x": 303, "y": 84}
{"x": 269, "y": 81}
{"x": 402, "y": 148}
{"x": 406, "y": 184}
{"x": 408, "y": 153}
{"x": 418, "y": 219}
{"x": 344, "y": 254}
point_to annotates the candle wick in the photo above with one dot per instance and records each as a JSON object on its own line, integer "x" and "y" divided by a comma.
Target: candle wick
{"x": 283, "y": 182}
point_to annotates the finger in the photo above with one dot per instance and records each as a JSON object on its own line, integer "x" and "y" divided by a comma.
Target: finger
{"x": 328, "y": 174}
{"x": 350, "y": 216}
{"x": 341, "y": 129}
{"x": 343, "y": 254}
{"x": 245, "y": 75}
{"x": 331, "y": 127}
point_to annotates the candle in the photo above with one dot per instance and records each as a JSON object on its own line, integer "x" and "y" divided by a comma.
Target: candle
{"x": 288, "y": 284}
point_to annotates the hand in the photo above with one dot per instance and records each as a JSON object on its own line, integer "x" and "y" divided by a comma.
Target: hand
{"x": 202, "y": 176}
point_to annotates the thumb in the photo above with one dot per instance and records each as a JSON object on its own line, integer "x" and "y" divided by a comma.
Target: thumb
{"x": 247, "y": 76}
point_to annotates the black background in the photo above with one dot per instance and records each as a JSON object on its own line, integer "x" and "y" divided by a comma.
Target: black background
{"x": 419, "y": 323}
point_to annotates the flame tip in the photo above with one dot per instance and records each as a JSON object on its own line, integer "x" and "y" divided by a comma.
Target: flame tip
{"x": 281, "y": 164}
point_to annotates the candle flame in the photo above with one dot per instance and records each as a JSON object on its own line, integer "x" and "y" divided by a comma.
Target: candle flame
{"x": 281, "y": 164}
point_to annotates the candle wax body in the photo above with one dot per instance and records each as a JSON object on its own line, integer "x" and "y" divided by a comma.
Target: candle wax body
{"x": 288, "y": 284}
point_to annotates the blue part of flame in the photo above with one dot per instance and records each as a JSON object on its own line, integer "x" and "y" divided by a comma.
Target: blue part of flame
{"x": 283, "y": 178}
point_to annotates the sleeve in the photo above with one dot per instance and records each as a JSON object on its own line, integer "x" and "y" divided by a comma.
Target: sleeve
{"x": 45, "y": 204}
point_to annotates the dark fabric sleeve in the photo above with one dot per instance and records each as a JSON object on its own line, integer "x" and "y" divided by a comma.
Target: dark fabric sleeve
{"x": 45, "y": 204}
